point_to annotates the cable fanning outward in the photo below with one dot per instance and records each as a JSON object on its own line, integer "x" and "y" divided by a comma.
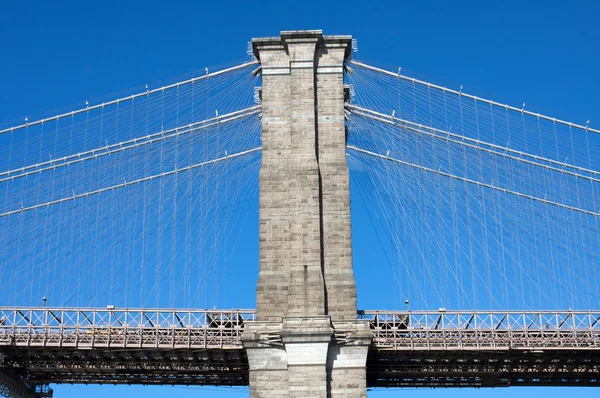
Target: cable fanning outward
{"x": 138, "y": 201}
{"x": 142, "y": 200}
{"x": 124, "y": 145}
{"x": 132, "y": 97}
{"x": 477, "y": 204}
{"x": 473, "y": 97}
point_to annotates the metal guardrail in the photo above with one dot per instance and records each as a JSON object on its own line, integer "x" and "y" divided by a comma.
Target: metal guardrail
{"x": 395, "y": 330}
{"x": 483, "y": 330}
{"x": 124, "y": 328}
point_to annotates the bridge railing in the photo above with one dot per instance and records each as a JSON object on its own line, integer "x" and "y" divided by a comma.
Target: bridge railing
{"x": 456, "y": 330}
{"x": 396, "y": 330}
{"x": 96, "y": 328}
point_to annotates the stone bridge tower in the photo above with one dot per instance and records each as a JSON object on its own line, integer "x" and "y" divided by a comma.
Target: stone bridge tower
{"x": 307, "y": 341}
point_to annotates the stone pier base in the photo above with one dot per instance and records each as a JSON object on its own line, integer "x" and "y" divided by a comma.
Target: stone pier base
{"x": 307, "y": 357}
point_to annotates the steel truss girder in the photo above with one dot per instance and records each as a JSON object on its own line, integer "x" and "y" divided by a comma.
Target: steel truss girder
{"x": 502, "y": 368}
{"x": 416, "y": 348}
{"x": 131, "y": 366}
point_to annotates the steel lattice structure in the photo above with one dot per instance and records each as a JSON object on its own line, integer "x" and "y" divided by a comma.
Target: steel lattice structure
{"x": 202, "y": 347}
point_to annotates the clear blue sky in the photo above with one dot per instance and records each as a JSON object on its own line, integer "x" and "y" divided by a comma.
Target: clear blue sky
{"x": 55, "y": 54}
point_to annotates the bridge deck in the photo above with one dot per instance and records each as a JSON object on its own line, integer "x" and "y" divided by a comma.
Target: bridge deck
{"x": 417, "y": 348}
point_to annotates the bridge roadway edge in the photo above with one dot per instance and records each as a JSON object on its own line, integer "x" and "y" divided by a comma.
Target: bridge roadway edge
{"x": 129, "y": 346}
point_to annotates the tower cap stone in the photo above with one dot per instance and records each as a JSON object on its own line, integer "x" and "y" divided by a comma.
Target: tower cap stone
{"x": 287, "y": 36}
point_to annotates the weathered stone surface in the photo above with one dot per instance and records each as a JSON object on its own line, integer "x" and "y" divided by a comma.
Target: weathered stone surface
{"x": 307, "y": 341}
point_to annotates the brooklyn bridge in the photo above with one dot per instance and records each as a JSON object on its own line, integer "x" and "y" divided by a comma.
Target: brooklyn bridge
{"x": 120, "y": 218}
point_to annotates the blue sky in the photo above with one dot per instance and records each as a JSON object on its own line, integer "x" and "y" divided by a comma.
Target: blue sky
{"x": 544, "y": 53}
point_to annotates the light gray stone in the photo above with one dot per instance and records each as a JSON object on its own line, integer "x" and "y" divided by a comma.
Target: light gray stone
{"x": 306, "y": 341}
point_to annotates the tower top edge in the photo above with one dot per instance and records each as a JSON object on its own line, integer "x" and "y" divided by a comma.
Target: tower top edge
{"x": 298, "y": 36}
{"x": 301, "y": 33}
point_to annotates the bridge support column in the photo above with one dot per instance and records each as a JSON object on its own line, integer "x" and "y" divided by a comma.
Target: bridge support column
{"x": 307, "y": 341}
{"x": 307, "y": 358}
